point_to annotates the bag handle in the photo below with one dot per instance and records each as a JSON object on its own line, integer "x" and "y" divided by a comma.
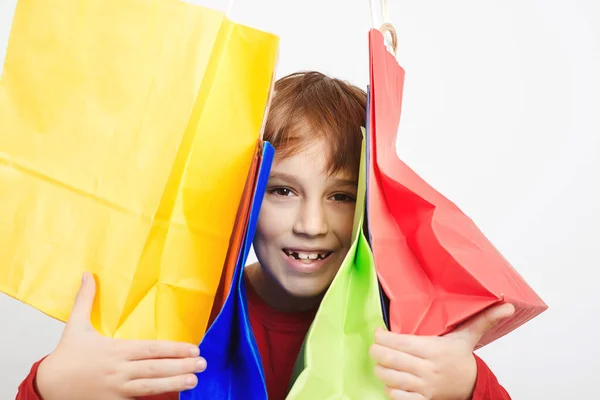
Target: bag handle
{"x": 229, "y": 8}
{"x": 381, "y": 20}
{"x": 388, "y": 28}
{"x": 379, "y": 12}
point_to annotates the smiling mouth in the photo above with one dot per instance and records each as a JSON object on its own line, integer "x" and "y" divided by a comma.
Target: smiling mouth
{"x": 307, "y": 255}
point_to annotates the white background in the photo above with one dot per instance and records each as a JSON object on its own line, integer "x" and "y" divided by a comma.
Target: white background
{"x": 502, "y": 115}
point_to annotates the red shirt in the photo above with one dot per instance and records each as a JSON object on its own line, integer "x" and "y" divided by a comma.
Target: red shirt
{"x": 279, "y": 337}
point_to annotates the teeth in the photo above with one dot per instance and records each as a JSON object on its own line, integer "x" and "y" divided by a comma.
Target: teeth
{"x": 306, "y": 256}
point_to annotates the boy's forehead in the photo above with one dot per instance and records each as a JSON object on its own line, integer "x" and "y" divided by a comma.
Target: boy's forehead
{"x": 310, "y": 162}
{"x": 297, "y": 175}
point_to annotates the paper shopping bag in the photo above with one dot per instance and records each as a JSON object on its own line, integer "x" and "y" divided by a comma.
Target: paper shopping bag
{"x": 385, "y": 301}
{"x": 335, "y": 360}
{"x": 237, "y": 237}
{"x": 236, "y": 242}
{"x": 127, "y": 130}
{"x": 234, "y": 369}
{"x": 435, "y": 265}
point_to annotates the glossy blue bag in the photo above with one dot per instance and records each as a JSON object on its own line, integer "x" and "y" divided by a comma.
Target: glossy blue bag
{"x": 234, "y": 370}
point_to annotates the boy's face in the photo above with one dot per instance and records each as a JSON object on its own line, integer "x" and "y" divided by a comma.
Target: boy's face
{"x": 305, "y": 223}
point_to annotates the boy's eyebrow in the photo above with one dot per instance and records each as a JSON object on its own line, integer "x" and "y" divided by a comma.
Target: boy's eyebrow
{"x": 345, "y": 182}
{"x": 293, "y": 179}
{"x": 283, "y": 176}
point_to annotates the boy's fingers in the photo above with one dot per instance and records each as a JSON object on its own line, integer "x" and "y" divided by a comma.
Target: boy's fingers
{"x": 418, "y": 346}
{"x": 164, "y": 368}
{"x": 473, "y": 330}
{"x": 150, "y": 387}
{"x": 395, "y": 394}
{"x": 398, "y": 379}
{"x": 82, "y": 307}
{"x": 398, "y": 360}
{"x": 155, "y": 349}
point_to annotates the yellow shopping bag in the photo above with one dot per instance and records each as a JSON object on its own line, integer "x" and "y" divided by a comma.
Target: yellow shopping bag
{"x": 127, "y": 131}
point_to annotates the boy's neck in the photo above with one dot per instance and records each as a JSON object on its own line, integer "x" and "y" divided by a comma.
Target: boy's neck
{"x": 271, "y": 292}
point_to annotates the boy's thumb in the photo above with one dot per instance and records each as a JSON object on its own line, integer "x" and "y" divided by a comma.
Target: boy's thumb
{"x": 473, "y": 330}
{"x": 82, "y": 308}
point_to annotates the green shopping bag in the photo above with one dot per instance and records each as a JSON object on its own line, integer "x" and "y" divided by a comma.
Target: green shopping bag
{"x": 334, "y": 362}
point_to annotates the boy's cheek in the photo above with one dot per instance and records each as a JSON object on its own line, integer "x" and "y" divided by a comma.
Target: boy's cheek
{"x": 276, "y": 219}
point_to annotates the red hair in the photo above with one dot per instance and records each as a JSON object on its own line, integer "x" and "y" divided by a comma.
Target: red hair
{"x": 308, "y": 106}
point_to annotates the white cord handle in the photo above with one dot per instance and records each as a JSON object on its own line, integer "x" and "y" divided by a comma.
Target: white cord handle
{"x": 379, "y": 12}
{"x": 229, "y": 8}
{"x": 381, "y": 20}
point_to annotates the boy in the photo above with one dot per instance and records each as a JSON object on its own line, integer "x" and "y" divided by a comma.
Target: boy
{"x": 304, "y": 232}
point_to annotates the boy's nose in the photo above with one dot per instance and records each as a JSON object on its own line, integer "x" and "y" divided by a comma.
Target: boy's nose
{"x": 311, "y": 220}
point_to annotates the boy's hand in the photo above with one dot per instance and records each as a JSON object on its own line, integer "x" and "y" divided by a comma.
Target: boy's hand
{"x": 87, "y": 365}
{"x": 431, "y": 367}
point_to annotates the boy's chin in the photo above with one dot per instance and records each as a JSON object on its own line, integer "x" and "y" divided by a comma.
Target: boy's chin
{"x": 306, "y": 289}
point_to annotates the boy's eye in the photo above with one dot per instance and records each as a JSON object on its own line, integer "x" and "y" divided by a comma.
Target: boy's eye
{"x": 283, "y": 192}
{"x": 343, "y": 198}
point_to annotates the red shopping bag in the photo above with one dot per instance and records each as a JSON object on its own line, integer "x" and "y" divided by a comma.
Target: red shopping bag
{"x": 434, "y": 264}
